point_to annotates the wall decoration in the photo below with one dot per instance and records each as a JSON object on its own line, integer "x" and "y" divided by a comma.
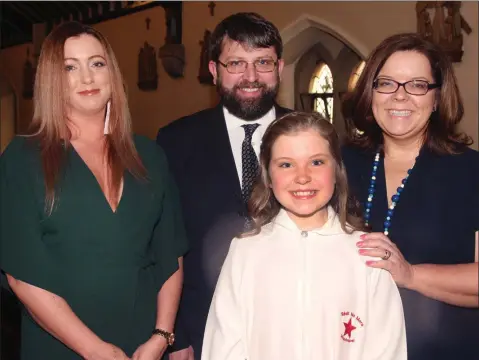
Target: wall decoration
{"x": 29, "y": 71}
{"x": 445, "y": 29}
{"x": 173, "y": 59}
{"x": 204, "y": 75}
{"x": 147, "y": 73}
{"x": 212, "y": 6}
{"x": 172, "y": 53}
{"x": 147, "y": 66}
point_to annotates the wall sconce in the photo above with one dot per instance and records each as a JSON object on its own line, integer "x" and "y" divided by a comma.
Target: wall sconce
{"x": 172, "y": 53}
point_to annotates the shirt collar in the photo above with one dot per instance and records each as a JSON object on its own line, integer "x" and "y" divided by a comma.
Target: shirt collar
{"x": 234, "y": 122}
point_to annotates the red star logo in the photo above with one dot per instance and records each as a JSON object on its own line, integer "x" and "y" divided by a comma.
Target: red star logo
{"x": 348, "y": 328}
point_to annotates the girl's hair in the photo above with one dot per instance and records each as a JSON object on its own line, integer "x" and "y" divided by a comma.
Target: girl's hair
{"x": 263, "y": 206}
{"x": 49, "y": 125}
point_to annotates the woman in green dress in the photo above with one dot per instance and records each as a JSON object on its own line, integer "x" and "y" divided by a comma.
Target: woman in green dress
{"x": 92, "y": 237}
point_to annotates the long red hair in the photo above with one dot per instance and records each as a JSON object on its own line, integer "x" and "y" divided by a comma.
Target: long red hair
{"x": 49, "y": 125}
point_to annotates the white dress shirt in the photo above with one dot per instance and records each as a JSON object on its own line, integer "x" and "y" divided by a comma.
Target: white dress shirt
{"x": 236, "y": 135}
{"x": 287, "y": 294}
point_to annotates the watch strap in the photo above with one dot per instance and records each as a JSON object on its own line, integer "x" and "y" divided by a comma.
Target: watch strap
{"x": 170, "y": 337}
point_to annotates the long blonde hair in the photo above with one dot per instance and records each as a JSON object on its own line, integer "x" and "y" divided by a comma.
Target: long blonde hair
{"x": 50, "y": 100}
{"x": 263, "y": 206}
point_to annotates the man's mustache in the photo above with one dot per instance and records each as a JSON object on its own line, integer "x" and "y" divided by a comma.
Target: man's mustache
{"x": 250, "y": 85}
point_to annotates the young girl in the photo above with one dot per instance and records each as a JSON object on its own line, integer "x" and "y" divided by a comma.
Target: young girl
{"x": 295, "y": 287}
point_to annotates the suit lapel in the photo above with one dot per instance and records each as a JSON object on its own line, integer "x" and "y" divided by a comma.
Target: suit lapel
{"x": 280, "y": 111}
{"x": 221, "y": 154}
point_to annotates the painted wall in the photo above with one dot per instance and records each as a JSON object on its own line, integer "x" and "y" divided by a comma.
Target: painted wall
{"x": 7, "y": 113}
{"x": 361, "y": 24}
{"x": 7, "y": 120}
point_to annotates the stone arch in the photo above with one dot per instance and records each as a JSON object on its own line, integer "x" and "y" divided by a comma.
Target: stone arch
{"x": 291, "y": 32}
{"x": 309, "y": 39}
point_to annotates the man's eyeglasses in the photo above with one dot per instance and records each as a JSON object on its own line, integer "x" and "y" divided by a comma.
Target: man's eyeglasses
{"x": 240, "y": 66}
{"x": 413, "y": 87}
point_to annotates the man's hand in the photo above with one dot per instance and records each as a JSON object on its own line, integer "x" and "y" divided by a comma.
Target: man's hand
{"x": 185, "y": 354}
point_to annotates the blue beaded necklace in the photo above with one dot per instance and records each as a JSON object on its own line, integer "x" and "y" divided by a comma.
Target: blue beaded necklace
{"x": 394, "y": 198}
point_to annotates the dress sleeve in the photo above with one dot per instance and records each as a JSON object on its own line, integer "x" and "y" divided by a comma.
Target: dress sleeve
{"x": 223, "y": 338}
{"x": 169, "y": 237}
{"x": 23, "y": 253}
{"x": 386, "y": 331}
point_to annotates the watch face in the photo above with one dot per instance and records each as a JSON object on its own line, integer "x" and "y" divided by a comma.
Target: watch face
{"x": 171, "y": 339}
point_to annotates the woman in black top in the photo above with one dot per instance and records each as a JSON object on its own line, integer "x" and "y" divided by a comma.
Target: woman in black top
{"x": 419, "y": 185}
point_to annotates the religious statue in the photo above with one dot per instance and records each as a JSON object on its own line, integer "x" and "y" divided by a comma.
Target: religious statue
{"x": 446, "y": 27}
{"x": 204, "y": 75}
{"x": 147, "y": 70}
{"x": 424, "y": 25}
{"x": 438, "y": 35}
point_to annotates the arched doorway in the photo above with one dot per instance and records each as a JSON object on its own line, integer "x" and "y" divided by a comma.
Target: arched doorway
{"x": 312, "y": 45}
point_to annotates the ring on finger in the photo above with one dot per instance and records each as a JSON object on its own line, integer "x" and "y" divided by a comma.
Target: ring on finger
{"x": 387, "y": 255}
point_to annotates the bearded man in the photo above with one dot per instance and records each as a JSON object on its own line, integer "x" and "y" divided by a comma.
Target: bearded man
{"x": 213, "y": 158}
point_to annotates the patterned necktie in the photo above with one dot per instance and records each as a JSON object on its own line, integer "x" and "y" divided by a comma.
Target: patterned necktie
{"x": 249, "y": 162}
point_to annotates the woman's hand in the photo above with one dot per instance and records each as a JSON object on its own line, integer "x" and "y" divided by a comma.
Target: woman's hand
{"x": 378, "y": 245}
{"x": 153, "y": 349}
{"x": 108, "y": 352}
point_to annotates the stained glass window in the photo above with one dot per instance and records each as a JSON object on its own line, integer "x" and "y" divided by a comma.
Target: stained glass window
{"x": 322, "y": 83}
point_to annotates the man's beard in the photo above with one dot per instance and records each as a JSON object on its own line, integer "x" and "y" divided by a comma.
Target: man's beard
{"x": 248, "y": 109}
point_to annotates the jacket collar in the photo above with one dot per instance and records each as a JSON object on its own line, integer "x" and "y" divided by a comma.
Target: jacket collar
{"x": 331, "y": 227}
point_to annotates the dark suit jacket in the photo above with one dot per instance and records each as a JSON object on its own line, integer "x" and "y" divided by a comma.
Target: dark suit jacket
{"x": 201, "y": 160}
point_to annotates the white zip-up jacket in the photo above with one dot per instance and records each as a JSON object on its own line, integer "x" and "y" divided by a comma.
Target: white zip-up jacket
{"x": 296, "y": 295}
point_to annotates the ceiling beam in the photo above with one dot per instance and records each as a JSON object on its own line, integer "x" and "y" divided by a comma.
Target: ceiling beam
{"x": 78, "y": 10}
{"x": 16, "y": 18}
{"x": 63, "y": 9}
{"x": 45, "y": 11}
{"x": 22, "y": 15}
{"x": 25, "y": 11}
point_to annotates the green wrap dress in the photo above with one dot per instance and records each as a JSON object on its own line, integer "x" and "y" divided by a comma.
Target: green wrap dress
{"x": 108, "y": 266}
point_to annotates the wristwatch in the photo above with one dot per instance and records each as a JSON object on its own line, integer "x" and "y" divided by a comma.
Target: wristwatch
{"x": 170, "y": 337}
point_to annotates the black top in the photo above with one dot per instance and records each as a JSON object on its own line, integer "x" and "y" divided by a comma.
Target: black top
{"x": 434, "y": 222}
{"x": 108, "y": 266}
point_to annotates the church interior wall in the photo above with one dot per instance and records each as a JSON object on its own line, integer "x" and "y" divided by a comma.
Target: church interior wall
{"x": 362, "y": 24}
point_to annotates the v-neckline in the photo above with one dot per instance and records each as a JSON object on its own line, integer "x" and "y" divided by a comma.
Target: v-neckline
{"x": 98, "y": 186}
{"x": 382, "y": 200}
{"x": 383, "y": 190}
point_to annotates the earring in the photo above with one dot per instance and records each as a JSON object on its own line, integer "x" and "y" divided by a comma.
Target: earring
{"x": 434, "y": 108}
{"x": 106, "y": 129}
